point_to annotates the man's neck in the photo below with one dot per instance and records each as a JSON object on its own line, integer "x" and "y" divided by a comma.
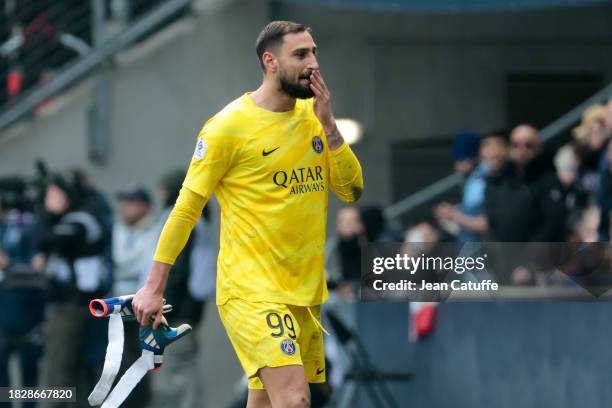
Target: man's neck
{"x": 268, "y": 97}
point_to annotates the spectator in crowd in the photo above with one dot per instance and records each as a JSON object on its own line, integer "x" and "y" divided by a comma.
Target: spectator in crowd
{"x": 525, "y": 146}
{"x": 524, "y": 202}
{"x": 344, "y": 261}
{"x": 583, "y": 225}
{"x": 494, "y": 151}
{"x": 608, "y": 119}
{"x": 465, "y": 152}
{"x": 575, "y": 197}
{"x": 134, "y": 236}
{"x": 21, "y": 301}
{"x": 376, "y": 227}
{"x": 470, "y": 214}
{"x": 72, "y": 242}
{"x": 570, "y": 263}
{"x": 94, "y": 202}
{"x": 567, "y": 164}
{"x": 604, "y": 198}
{"x": 191, "y": 283}
{"x": 421, "y": 238}
{"x": 591, "y": 138}
{"x": 355, "y": 227}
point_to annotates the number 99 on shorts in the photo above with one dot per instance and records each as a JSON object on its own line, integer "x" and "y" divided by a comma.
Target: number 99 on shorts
{"x": 279, "y": 325}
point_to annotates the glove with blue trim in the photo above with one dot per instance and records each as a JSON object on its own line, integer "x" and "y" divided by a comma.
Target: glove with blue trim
{"x": 156, "y": 340}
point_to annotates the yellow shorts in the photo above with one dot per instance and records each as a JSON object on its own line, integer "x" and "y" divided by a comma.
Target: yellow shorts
{"x": 275, "y": 335}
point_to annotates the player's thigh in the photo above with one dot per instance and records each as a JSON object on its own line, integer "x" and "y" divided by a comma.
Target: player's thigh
{"x": 286, "y": 386}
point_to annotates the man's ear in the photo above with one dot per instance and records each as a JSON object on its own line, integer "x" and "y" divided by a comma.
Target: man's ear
{"x": 270, "y": 62}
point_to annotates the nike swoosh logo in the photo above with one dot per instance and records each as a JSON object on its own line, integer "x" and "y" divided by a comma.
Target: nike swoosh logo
{"x": 320, "y": 371}
{"x": 269, "y": 152}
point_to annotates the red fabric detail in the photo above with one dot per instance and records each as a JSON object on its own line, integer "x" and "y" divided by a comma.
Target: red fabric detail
{"x": 14, "y": 82}
{"x": 424, "y": 320}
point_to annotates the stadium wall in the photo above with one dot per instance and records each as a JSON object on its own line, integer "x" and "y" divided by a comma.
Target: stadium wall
{"x": 503, "y": 355}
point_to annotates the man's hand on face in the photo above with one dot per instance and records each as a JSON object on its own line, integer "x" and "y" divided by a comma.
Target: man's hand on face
{"x": 322, "y": 101}
{"x": 323, "y": 110}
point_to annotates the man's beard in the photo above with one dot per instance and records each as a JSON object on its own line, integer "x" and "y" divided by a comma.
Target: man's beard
{"x": 295, "y": 90}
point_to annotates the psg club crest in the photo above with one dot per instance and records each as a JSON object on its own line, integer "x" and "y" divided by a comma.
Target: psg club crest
{"x": 288, "y": 347}
{"x": 317, "y": 144}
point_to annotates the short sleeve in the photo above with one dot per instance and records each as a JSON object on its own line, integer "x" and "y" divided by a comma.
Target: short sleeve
{"x": 212, "y": 157}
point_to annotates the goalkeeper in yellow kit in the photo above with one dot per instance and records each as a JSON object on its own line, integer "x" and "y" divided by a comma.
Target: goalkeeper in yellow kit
{"x": 270, "y": 157}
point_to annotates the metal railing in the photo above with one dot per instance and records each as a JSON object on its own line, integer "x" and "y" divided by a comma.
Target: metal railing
{"x": 92, "y": 59}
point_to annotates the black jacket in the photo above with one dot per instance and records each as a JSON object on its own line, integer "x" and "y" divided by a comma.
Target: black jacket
{"x": 67, "y": 240}
{"x": 528, "y": 205}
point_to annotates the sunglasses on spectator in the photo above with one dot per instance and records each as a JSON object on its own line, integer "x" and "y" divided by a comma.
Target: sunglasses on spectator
{"x": 527, "y": 145}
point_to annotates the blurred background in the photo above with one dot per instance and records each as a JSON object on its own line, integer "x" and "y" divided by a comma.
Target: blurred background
{"x": 474, "y": 120}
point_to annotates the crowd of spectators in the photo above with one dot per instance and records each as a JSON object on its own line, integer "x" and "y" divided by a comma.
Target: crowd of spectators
{"x": 62, "y": 248}
{"x": 522, "y": 191}
{"x": 515, "y": 189}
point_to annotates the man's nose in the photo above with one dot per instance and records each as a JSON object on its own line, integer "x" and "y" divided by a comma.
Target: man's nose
{"x": 313, "y": 63}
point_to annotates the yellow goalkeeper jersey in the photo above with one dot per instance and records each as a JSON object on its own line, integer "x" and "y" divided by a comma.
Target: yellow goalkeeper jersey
{"x": 271, "y": 173}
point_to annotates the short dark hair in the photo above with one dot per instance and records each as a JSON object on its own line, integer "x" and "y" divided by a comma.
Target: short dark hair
{"x": 273, "y": 33}
{"x": 500, "y": 133}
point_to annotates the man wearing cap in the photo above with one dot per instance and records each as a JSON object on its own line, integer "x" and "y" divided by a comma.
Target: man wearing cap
{"x": 134, "y": 236}
{"x": 469, "y": 214}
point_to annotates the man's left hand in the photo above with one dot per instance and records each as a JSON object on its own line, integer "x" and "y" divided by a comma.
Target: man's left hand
{"x": 322, "y": 101}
